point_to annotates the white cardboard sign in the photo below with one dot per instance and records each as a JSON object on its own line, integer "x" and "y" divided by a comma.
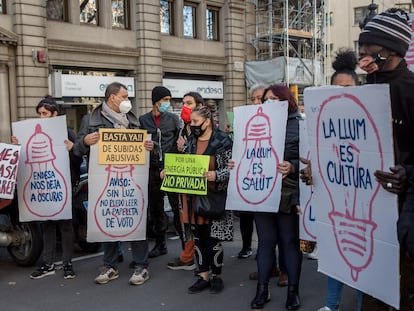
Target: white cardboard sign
{"x": 350, "y": 136}
{"x": 43, "y": 180}
{"x": 259, "y": 137}
{"x": 118, "y": 198}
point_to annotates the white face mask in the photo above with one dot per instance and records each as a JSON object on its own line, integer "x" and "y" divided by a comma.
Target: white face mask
{"x": 273, "y": 101}
{"x": 125, "y": 106}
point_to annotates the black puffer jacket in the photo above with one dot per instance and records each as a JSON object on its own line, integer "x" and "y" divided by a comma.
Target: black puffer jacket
{"x": 401, "y": 82}
{"x": 292, "y": 155}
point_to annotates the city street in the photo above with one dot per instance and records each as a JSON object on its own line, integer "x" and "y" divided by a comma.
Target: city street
{"x": 165, "y": 290}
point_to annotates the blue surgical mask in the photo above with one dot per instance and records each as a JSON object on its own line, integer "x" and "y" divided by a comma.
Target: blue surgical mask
{"x": 164, "y": 107}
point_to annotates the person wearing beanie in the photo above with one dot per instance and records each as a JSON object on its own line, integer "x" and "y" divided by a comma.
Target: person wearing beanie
{"x": 383, "y": 44}
{"x": 164, "y": 128}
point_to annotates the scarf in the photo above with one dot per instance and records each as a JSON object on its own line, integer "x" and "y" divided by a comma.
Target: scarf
{"x": 119, "y": 120}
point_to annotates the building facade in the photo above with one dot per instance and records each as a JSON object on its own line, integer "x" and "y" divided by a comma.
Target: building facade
{"x": 344, "y": 18}
{"x": 72, "y": 49}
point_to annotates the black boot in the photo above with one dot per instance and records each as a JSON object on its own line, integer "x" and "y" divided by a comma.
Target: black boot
{"x": 159, "y": 249}
{"x": 262, "y": 296}
{"x": 292, "y": 301}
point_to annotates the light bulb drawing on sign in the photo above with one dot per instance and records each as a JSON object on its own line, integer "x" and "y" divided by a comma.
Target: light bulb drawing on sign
{"x": 45, "y": 191}
{"x": 119, "y": 209}
{"x": 257, "y": 170}
{"x": 346, "y": 164}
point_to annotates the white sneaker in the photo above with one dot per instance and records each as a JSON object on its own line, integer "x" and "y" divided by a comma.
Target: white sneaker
{"x": 326, "y": 309}
{"x": 139, "y": 276}
{"x": 314, "y": 256}
{"x": 107, "y": 274}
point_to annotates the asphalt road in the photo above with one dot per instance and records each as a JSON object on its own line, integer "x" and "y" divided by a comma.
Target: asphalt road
{"x": 165, "y": 290}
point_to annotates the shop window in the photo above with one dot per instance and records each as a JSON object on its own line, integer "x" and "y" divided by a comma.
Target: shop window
{"x": 360, "y": 13}
{"x": 88, "y": 12}
{"x": 212, "y": 23}
{"x": 166, "y": 16}
{"x": 189, "y": 19}
{"x": 3, "y": 7}
{"x": 57, "y": 10}
{"x": 120, "y": 14}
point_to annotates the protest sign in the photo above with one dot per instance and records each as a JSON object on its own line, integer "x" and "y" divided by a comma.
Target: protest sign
{"x": 184, "y": 173}
{"x": 9, "y": 162}
{"x": 259, "y": 137}
{"x": 350, "y": 137}
{"x": 307, "y": 227}
{"x": 44, "y": 184}
{"x": 121, "y": 146}
{"x": 117, "y": 208}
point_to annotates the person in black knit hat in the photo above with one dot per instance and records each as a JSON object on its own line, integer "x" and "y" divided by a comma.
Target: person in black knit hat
{"x": 383, "y": 42}
{"x": 164, "y": 127}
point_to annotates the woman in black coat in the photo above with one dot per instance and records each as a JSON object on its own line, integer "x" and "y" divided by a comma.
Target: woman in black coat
{"x": 283, "y": 226}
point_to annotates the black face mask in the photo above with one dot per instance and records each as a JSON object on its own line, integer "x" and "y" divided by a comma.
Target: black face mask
{"x": 196, "y": 130}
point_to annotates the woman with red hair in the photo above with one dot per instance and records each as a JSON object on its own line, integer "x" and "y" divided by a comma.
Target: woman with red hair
{"x": 281, "y": 227}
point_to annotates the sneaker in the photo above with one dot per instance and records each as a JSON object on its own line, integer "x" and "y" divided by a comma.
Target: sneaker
{"x": 314, "y": 254}
{"x": 177, "y": 264}
{"x": 43, "y": 271}
{"x": 68, "y": 272}
{"x": 198, "y": 286}
{"x": 139, "y": 276}
{"x": 326, "y": 309}
{"x": 245, "y": 253}
{"x": 216, "y": 285}
{"x": 107, "y": 274}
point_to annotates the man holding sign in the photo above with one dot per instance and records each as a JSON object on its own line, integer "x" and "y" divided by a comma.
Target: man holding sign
{"x": 114, "y": 112}
{"x": 383, "y": 42}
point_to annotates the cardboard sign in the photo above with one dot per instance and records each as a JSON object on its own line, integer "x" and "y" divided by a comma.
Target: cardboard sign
{"x": 307, "y": 224}
{"x": 44, "y": 185}
{"x": 350, "y": 136}
{"x": 258, "y": 146}
{"x": 121, "y": 146}
{"x": 117, "y": 205}
{"x": 9, "y": 162}
{"x": 184, "y": 173}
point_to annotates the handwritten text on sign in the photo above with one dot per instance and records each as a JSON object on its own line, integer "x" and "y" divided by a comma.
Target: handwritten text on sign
{"x": 121, "y": 146}
{"x": 184, "y": 173}
{"x": 9, "y": 160}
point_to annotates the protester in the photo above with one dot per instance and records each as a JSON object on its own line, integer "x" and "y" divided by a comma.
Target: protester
{"x": 383, "y": 43}
{"x": 344, "y": 65}
{"x": 48, "y": 108}
{"x": 281, "y": 227}
{"x": 208, "y": 140}
{"x": 185, "y": 261}
{"x": 114, "y": 112}
{"x": 163, "y": 127}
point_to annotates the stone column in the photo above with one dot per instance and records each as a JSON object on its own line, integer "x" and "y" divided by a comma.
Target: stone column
{"x": 150, "y": 55}
{"x": 234, "y": 38}
{"x": 32, "y": 76}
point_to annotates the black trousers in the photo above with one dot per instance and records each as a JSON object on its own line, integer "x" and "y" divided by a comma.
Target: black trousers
{"x": 283, "y": 229}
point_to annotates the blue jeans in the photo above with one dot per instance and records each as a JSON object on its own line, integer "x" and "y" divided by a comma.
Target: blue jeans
{"x": 139, "y": 253}
{"x": 333, "y": 295}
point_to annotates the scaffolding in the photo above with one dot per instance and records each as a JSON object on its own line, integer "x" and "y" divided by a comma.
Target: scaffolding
{"x": 291, "y": 29}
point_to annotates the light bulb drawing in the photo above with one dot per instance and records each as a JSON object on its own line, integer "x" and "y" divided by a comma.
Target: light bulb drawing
{"x": 120, "y": 207}
{"x": 45, "y": 192}
{"x": 346, "y": 162}
{"x": 257, "y": 171}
